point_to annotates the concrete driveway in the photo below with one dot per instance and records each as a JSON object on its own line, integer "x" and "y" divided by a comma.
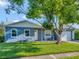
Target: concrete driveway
{"x": 74, "y": 41}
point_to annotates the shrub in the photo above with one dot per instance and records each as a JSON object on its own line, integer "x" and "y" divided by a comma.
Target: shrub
{"x": 1, "y": 39}
{"x": 77, "y": 34}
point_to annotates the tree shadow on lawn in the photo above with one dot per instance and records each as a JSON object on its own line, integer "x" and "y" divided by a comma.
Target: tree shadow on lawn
{"x": 37, "y": 43}
{"x": 18, "y": 50}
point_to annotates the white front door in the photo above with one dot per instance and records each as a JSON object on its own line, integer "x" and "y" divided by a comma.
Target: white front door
{"x": 36, "y": 34}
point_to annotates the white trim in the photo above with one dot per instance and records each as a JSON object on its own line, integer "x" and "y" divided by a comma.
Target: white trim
{"x": 36, "y": 34}
{"x": 16, "y": 32}
{"x": 24, "y": 24}
{"x": 47, "y": 34}
{"x": 24, "y": 32}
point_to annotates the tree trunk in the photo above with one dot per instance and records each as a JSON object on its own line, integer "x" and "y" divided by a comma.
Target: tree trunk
{"x": 58, "y": 37}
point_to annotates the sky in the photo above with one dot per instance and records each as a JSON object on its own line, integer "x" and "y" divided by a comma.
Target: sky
{"x": 13, "y": 16}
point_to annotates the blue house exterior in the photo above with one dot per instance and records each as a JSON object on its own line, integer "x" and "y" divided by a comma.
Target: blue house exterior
{"x": 23, "y": 31}
{"x": 28, "y": 31}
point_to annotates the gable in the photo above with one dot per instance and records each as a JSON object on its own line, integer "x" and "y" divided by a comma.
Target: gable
{"x": 24, "y": 24}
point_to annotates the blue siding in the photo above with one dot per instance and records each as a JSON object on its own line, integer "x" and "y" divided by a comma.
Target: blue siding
{"x": 32, "y": 32}
{"x": 20, "y": 30}
{"x": 8, "y": 36}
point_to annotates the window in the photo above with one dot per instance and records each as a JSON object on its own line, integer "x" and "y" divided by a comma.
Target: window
{"x": 27, "y": 33}
{"x": 47, "y": 32}
{"x": 13, "y": 32}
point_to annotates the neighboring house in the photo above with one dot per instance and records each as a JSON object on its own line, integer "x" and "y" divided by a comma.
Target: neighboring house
{"x": 68, "y": 35}
{"x": 69, "y": 32}
{"x": 23, "y": 30}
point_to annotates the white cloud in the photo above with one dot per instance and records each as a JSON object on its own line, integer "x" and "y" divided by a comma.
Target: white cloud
{"x": 16, "y": 20}
{"x": 4, "y": 3}
{"x": 24, "y": 17}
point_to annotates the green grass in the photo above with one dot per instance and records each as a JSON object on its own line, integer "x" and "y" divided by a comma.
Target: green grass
{"x": 74, "y": 57}
{"x": 8, "y": 50}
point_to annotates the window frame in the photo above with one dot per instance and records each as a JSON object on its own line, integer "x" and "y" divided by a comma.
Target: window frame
{"x": 25, "y": 33}
{"x": 12, "y": 32}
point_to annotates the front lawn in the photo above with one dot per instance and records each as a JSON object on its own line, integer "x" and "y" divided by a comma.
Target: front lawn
{"x": 8, "y": 50}
{"x": 74, "y": 57}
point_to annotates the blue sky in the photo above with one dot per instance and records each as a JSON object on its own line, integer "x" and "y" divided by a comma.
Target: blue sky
{"x": 13, "y": 15}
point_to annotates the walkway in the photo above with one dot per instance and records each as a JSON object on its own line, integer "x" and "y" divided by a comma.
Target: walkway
{"x": 66, "y": 54}
{"x": 53, "y": 56}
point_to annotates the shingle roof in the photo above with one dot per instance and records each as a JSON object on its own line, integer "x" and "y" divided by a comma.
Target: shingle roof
{"x": 17, "y": 21}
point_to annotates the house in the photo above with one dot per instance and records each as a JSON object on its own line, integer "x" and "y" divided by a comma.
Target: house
{"x": 23, "y": 30}
{"x": 68, "y": 35}
{"x": 49, "y": 35}
{"x": 69, "y": 32}
{"x": 29, "y": 31}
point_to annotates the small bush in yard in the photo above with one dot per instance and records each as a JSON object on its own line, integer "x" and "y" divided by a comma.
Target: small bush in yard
{"x": 1, "y": 39}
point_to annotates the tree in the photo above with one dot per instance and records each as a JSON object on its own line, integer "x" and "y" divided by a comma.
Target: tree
{"x": 65, "y": 10}
{"x": 46, "y": 25}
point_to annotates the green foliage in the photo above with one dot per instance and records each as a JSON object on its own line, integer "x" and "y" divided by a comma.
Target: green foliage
{"x": 47, "y": 25}
{"x": 1, "y": 39}
{"x": 18, "y": 2}
{"x": 69, "y": 11}
{"x": 43, "y": 6}
{"x": 1, "y": 31}
{"x": 1, "y": 35}
{"x": 65, "y": 10}
{"x": 77, "y": 34}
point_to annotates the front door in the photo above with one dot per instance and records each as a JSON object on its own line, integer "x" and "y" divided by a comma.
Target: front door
{"x": 36, "y": 35}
